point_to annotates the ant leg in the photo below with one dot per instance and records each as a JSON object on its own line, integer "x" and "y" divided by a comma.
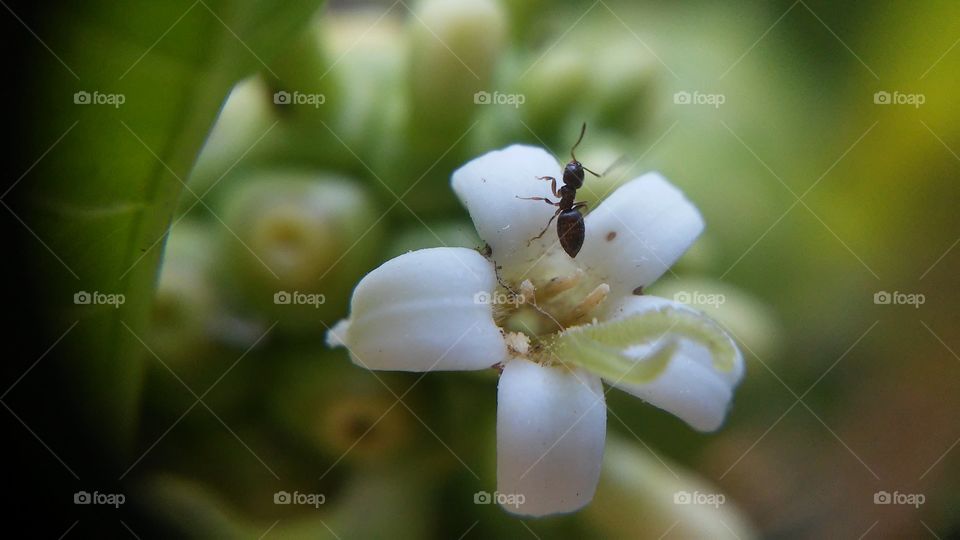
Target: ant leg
{"x": 579, "y": 204}
{"x": 545, "y": 229}
{"x": 553, "y": 184}
{"x": 548, "y": 201}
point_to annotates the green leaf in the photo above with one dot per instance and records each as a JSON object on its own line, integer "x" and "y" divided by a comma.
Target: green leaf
{"x": 101, "y": 201}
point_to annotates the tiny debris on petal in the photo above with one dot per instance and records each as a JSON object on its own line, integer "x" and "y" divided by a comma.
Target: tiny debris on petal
{"x": 518, "y": 343}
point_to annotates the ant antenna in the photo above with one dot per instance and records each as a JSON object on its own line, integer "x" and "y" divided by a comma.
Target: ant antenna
{"x": 583, "y": 130}
{"x": 618, "y": 162}
{"x": 591, "y": 172}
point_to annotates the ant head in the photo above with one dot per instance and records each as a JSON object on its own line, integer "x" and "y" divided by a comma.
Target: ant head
{"x": 573, "y": 174}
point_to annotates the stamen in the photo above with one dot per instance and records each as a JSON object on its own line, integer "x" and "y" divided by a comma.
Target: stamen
{"x": 560, "y": 284}
{"x": 590, "y": 302}
{"x": 528, "y": 292}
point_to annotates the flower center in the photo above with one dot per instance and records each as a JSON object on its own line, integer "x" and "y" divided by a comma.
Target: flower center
{"x": 547, "y": 306}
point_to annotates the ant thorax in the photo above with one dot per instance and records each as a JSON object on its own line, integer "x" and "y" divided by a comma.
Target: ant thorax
{"x": 567, "y": 195}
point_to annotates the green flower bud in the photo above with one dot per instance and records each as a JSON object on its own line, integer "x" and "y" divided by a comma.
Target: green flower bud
{"x": 246, "y": 116}
{"x": 622, "y": 80}
{"x": 304, "y": 88}
{"x": 338, "y": 410}
{"x": 376, "y": 503}
{"x": 294, "y": 244}
{"x": 641, "y": 497}
{"x": 371, "y": 49}
{"x": 361, "y": 424}
{"x": 526, "y": 19}
{"x": 454, "y": 49}
{"x": 554, "y": 88}
{"x": 185, "y": 307}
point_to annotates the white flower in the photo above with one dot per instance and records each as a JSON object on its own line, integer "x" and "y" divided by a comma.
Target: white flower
{"x": 556, "y": 325}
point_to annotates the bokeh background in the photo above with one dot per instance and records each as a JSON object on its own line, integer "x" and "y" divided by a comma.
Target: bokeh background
{"x": 294, "y": 146}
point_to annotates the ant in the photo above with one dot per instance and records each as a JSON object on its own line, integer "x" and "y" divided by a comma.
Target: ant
{"x": 570, "y": 227}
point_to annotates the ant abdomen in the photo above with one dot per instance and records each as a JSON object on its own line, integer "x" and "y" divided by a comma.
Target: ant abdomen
{"x": 571, "y": 230}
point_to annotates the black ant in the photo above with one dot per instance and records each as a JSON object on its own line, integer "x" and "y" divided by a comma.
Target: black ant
{"x": 570, "y": 227}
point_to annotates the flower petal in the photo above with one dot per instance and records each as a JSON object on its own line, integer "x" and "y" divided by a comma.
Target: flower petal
{"x": 638, "y": 232}
{"x": 424, "y": 311}
{"x": 551, "y": 426}
{"x": 691, "y": 387}
{"x": 489, "y": 186}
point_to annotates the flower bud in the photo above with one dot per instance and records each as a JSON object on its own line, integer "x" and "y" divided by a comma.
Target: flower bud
{"x": 622, "y": 80}
{"x": 294, "y": 244}
{"x": 245, "y": 117}
{"x": 454, "y": 49}
{"x": 372, "y": 503}
{"x": 643, "y": 496}
{"x": 371, "y": 49}
{"x": 555, "y": 87}
{"x": 526, "y": 20}
{"x": 185, "y": 304}
{"x": 338, "y": 410}
{"x": 304, "y": 88}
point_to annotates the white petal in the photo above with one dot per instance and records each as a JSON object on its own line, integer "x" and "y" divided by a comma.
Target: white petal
{"x": 638, "y": 232}
{"x": 691, "y": 387}
{"x": 489, "y": 186}
{"x": 420, "y": 312}
{"x": 551, "y": 426}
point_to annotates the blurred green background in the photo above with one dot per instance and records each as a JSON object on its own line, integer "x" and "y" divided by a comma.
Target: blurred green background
{"x": 289, "y": 148}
